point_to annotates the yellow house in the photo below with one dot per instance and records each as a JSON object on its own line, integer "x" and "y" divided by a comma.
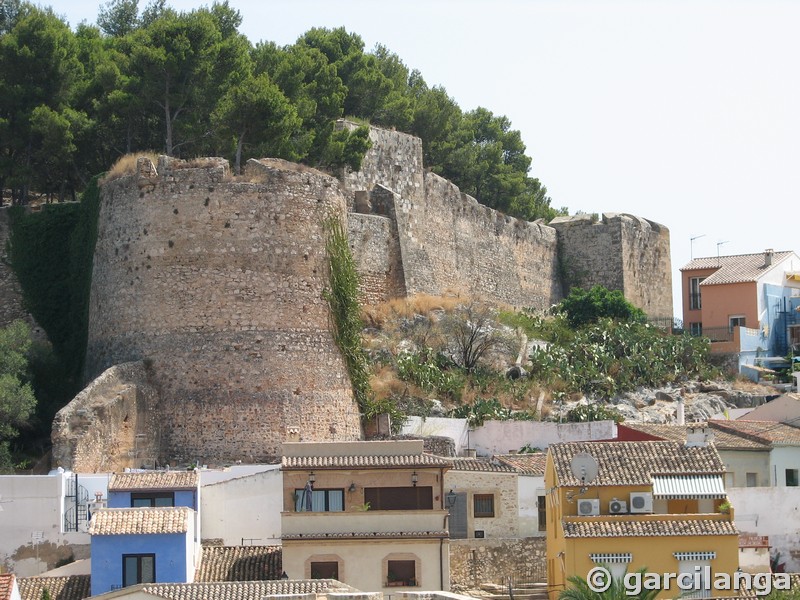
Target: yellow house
{"x": 624, "y": 506}
{"x": 372, "y": 515}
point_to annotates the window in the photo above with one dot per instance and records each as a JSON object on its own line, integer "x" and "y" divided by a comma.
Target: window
{"x": 791, "y": 477}
{"x": 325, "y": 570}
{"x": 483, "y": 505}
{"x": 138, "y": 568}
{"x": 697, "y": 577}
{"x": 694, "y": 292}
{"x": 735, "y": 321}
{"x": 152, "y": 499}
{"x": 321, "y": 500}
{"x": 401, "y": 573}
{"x": 399, "y": 498}
{"x": 696, "y": 329}
{"x": 542, "y": 513}
{"x": 752, "y": 479}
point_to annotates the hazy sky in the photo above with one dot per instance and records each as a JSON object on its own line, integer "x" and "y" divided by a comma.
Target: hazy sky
{"x": 686, "y": 113}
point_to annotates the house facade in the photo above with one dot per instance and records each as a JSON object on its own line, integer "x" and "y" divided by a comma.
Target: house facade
{"x": 746, "y": 460}
{"x": 372, "y": 515}
{"x": 746, "y": 304}
{"x": 631, "y": 505}
{"x": 149, "y": 531}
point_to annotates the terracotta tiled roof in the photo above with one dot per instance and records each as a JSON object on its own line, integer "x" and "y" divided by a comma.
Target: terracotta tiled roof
{"x": 735, "y": 269}
{"x": 121, "y": 521}
{"x": 480, "y": 464}
{"x": 363, "y": 462}
{"x": 239, "y": 563}
{"x": 153, "y": 480}
{"x": 72, "y": 587}
{"x": 633, "y": 463}
{"x": 6, "y": 585}
{"x": 723, "y": 440}
{"x": 611, "y": 527}
{"x": 368, "y": 535}
{"x": 524, "y": 464}
{"x": 243, "y": 590}
{"x": 767, "y": 432}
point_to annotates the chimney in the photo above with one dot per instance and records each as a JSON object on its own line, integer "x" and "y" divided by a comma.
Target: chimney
{"x": 679, "y": 416}
{"x": 768, "y": 257}
{"x": 699, "y": 437}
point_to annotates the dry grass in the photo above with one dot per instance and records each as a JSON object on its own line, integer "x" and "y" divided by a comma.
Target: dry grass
{"x": 743, "y": 384}
{"x": 126, "y": 165}
{"x": 385, "y": 383}
{"x": 402, "y": 308}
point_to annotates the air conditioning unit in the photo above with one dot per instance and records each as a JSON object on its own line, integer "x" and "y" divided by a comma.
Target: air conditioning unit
{"x": 641, "y": 502}
{"x": 588, "y": 507}
{"x": 617, "y": 507}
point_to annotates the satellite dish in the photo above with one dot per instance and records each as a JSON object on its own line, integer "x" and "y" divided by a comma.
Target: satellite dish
{"x": 584, "y": 467}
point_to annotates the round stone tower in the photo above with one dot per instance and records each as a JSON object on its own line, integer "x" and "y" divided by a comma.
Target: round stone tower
{"x": 216, "y": 283}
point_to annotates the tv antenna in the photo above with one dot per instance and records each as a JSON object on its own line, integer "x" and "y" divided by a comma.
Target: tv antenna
{"x": 691, "y": 244}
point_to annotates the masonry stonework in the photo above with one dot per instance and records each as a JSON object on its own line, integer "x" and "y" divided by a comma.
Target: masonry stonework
{"x": 476, "y": 562}
{"x": 217, "y": 282}
{"x": 620, "y": 252}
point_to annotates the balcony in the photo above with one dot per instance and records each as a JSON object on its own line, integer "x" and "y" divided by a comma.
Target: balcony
{"x": 356, "y": 524}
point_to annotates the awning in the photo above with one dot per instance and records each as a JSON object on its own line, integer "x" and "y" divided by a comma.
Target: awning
{"x": 615, "y": 557}
{"x": 688, "y": 486}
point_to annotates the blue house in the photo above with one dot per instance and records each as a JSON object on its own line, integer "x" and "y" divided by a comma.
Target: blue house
{"x": 150, "y": 531}
{"x": 149, "y": 489}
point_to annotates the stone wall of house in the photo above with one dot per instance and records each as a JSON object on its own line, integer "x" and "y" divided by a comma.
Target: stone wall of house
{"x": 475, "y": 562}
{"x": 218, "y": 283}
{"x": 503, "y": 486}
{"x": 620, "y": 252}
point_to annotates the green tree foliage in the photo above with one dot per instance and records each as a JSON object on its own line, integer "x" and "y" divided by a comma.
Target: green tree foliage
{"x": 16, "y": 395}
{"x": 118, "y": 18}
{"x": 611, "y": 357}
{"x": 188, "y": 83}
{"x": 579, "y": 589}
{"x": 40, "y": 66}
{"x": 257, "y": 113}
{"x": 583, "y": 307}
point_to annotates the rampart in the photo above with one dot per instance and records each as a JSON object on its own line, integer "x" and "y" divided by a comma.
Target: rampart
{"x": 217, "y": 284}
{"x": 446, "y": 241}
{"x": 620, "y": 252}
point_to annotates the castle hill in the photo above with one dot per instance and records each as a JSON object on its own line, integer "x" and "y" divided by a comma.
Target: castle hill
{"x": 283, "y": 321}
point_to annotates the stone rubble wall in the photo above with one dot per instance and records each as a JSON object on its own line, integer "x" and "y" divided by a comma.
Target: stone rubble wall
{"x": 620, "y": 252}
{"x": 474, "y": 562}
{"x": 441, "y": 241}
{"x": 111, "y": 425}
{"x": 219, "y": 283}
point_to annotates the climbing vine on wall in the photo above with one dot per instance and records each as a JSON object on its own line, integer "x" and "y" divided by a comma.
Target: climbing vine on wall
{"x": 342, "y": 297}
{"x": 51, "y": 253}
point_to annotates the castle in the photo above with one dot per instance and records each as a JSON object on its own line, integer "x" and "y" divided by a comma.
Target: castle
{"x": 209, "y": 338}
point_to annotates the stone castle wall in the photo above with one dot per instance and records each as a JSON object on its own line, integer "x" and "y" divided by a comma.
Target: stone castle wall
{"x": 620, "y": 252}
{"x": 447, "y": 241}
{"x": 219, "y": 284}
